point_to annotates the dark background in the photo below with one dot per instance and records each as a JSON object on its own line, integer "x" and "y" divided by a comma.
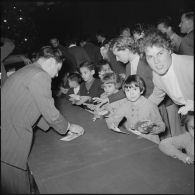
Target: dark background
{"x": 66, "y": 19}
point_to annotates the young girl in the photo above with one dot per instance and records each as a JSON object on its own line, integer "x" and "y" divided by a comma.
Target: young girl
{"x": 111, "y": 84}
{"x": 173, "y": 146}
{"x": 91, "y": 87}
{"x": 142, "y": 115}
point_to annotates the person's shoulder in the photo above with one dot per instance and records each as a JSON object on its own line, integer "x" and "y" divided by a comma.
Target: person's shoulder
{"x": 147, "y": 102}
{"x": 180, "y": 60}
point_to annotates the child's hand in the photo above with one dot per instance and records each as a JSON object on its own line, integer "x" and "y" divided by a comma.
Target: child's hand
{"x": 64, "y": 90}
{"x": 155, "y": 130}
{"x": 189, "y": 160}
{"x": 82, "y": 100}
{"x": 100, "y": 101}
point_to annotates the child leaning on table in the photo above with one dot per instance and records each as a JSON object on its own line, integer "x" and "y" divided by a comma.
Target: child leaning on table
{"x": 74, "y": 80}
{"x": 173, "y": 146}
{"x": 137, "y": 109}
{"x": 111, "y": 82}
{"x": 91, "y": 87}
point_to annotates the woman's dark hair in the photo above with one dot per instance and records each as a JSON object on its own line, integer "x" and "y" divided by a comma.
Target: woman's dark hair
{"x": 48, "y": 52}
{"x": 136, "y": 80}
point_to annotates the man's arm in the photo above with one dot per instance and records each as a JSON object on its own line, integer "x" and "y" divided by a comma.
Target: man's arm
{"x": 157, "y": 95}
{"x": 40, "y": 88}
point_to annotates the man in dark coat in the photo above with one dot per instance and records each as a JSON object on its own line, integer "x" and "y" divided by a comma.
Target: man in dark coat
{"x": 26, "y": 101}
{"x": 79, "y": 53}
{"x": 187, "y": 27}
{"x": 92, "y": 50}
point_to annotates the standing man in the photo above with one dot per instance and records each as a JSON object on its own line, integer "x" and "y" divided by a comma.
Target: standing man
{"x": 26, "y": 100}
{"x": 172, "y": 73}
{"x": 187, "y": 27}
{"x": 165, "y": 26}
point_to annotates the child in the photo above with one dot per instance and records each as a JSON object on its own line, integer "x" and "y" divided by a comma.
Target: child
{"x": 111, "y": 84}
{"x": 91, "y": 87}
{"x": 103, "y": 67}
{"x": 74, "y": 80}
{"x": 173, "y": 146}
{"x": 141, "y": 114}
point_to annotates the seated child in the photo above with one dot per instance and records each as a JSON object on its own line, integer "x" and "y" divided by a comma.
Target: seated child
{"x": 111, "y": 84}
{"x": 141, "y": 114}
{"x": 91, "y": 87}
{"x": 74, "y": 80}
{"x": 103, "y": 67}
{"x": 173, "y": 146}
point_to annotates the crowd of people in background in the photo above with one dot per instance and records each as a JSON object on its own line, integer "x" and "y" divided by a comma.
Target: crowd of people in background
{"x": 144, "y": 74}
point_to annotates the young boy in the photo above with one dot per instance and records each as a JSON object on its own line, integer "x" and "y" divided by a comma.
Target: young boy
{"x": 141, "y": 114}
{"x": 74, "y": 80}
{"x": 173, "y": 146}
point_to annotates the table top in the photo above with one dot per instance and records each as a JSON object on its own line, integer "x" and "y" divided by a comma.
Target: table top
{"x": 103, "y": 161}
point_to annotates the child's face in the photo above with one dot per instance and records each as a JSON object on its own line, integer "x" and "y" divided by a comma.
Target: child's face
{"x": 73, "y": 84}
{"x": 105, "y": 69}
{"x": 191, "y": 126}
{"x": 86, "y": 74}
{"x": 109, "y": 88}
{"x": 133, "y": 93}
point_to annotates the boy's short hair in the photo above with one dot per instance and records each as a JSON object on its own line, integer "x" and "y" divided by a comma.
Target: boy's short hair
{"x": 112, "y": 77}
{"x": 47, "y": 52}
{"x": 75, "y": 77}
{"x": 154, "y": 37}
{"x": 136, "y": 80}
{"x": 185, "y": 119}
{"x": 87, "y": 64}
{"x": 122, "y": 43}
{"x": 101, "y": 63}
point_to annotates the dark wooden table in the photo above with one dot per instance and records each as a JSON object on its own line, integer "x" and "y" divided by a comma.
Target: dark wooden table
{"x": 102, "y": 161}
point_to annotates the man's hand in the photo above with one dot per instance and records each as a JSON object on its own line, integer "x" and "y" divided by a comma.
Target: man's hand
{"x": 189, "y": 106}
{"x": 76, "y": 129}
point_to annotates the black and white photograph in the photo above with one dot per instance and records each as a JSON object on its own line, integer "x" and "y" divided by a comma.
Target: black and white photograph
{"x": 97, "y": 97}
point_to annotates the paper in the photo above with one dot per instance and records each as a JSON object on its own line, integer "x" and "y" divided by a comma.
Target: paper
{"x": 116, "y": 129}
{"x": 70, "y": 136}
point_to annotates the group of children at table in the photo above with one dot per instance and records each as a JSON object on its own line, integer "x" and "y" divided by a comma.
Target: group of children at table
{"x": 85, "y": 89}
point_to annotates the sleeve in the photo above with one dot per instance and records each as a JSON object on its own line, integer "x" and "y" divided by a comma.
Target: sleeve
{"x": 40, "y": 88}
{"x": 42, "y": 124}
{"x": 156, "y": 118}
{"x": 157, "y": 95}
{"x": 172, "y": 146}
{"x": 116, "y": 117}
{"x": 117, "y": 96}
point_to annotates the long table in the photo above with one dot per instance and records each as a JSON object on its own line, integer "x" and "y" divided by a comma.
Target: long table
{"x": 103, "y": 161}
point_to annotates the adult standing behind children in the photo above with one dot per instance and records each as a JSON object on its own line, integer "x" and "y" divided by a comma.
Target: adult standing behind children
{"x": 187, "y": 27}
{"x": 26, "y": 98}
